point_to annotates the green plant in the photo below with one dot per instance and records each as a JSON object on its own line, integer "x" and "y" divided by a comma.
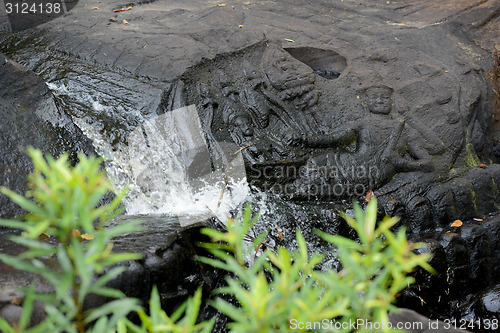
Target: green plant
{"x": 376, "y": 268}
{"x": 282, "y": 291}
{"x": 267, "y": 306}
{"x": 63, "y": 203}
{"x": 183, "y": 320}
{"x": 279, "y": 292}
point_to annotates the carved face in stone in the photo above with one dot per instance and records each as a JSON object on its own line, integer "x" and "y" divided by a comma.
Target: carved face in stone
{"x": 283, "y": 71}
{"x": 379, "y": 99}
{"x": 243, "y": 123}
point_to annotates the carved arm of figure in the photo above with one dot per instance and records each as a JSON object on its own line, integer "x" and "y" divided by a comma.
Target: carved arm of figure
{"x": 389, "y": 155}
{"x": 253, "y": 154}
{"x": 340, "y": 136}
{"x": 422, "y": 161}
{"x": 257, "y": 150}
{"x": 432, "y": 143}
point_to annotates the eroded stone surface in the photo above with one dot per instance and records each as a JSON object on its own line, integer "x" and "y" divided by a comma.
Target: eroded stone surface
{"x": 169, "y": 262}
{"x": 292, "y": 81}
{"x": 466, "y": 261}
{"x": 287, "y": 92}
{"x": 30, "y": 117}
{"x": 490, "y": 302}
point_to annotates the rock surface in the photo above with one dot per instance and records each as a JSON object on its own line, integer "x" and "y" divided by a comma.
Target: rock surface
{"x": 30, "y": 117}
{"x": 297, "y": 78}
{"x": 169, "y": 251}
{"x": 490, "y": 302}
{"x": 292, "y": 81}
{"x": 168, "y": 262}
{"x": 466, "y": 284}
{"x": 416, "y": 323}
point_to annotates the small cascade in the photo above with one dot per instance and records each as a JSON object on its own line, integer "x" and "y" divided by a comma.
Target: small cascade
{"x": 169, "y": 167}
{"x": 171, "y": 171}
{"x": 165, "y": 163}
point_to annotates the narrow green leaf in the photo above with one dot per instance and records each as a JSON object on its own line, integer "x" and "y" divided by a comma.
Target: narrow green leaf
{"x": 14, "y": 224}
{"x": 22, "y": 201}
{"x": 107, "y": 292}
{"x": 27, "y": 307}
{"x": 230, "y": 310}
{"x": 5, "y": 326}
{"x": 370, "y": 218}
{"x": 193, "y": 307}
{"x": 120, "y": 307}
{"x": 339, "y": 240}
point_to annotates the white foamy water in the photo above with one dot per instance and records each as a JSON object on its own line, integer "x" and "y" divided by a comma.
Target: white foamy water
{"x": 165, "y": 164}
{"x": 171, "y": 169}
{"x": 167, "y": 168}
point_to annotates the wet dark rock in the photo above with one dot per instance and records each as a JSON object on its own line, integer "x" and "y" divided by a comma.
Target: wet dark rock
{"x": 297, "y": 96}
{"x": 292, "y": 85}
{"x": 485, "y": 190}
{"x": 11, "y": 299}
{"x": 456, "y": 254}
{"x": 443, "y": 209}
{"x": 169, "y": 249}
{"x": 168, "y": 262}
{"x": 472, "y": 195}
{"x": 11, "y": 279}
{"x": 490, "y": 302}
{"x": 7, "y": 296}
{"x": 494, "y": 235}
{"x": 30, "y": 117}
{"x": 494, "y": 78}
{"x": 463, "y": 194}
{"x": 480, "y": 257}
{"x": 11, "y": 313}
{"x": 466, "y": 260}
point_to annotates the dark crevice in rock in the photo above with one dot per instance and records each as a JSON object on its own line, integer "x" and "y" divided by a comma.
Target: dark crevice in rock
{"x": 326, "y": 63}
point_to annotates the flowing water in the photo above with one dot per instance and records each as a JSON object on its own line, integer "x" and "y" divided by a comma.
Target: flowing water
{"x": 162, "y": 155}
{"x": 167, "y": 165}
{"x": 161, "y": 152}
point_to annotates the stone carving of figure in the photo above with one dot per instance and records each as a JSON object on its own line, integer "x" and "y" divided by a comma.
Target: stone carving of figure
{"x": 289, "y": 86}
{"x": 252, "y": 98}
{"x": 243, "y": 133}
{"x": 367, "y": 152}
{"x": 208, "y": 104}
{"x": 267, "y": 122}
{"x": 240, "y": 125}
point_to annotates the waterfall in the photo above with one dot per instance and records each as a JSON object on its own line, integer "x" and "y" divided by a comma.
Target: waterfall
{"x": 164, "y": 162}
{"x": 170, "y": 169}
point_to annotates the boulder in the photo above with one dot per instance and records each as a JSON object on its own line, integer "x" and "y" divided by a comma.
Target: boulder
{"x": 30, "y": 117}
{"x": 168, "y": 262}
